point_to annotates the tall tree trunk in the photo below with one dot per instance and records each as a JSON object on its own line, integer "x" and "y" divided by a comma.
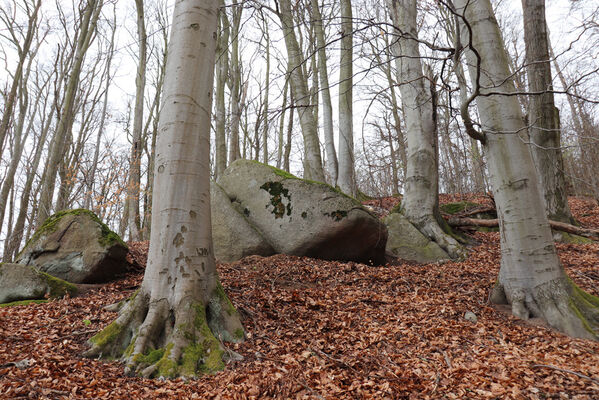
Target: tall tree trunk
{"x": 265, "y": 122}
{"x": 287, "y": 152}
{"x": 325, "y": 93}
{"x": 134, "y": 182}
{"x": 301, "y": 96}
{"x": 347, "y": 174}
{"x": 181, "y": 312}
{"x": 222, "y": 70}
{"x": 543, "y": 116}
{"x": 421, "y": 198}
{"x": 281, "y": 138}
{"x": 531, "y": 277}
{"x": 235, "y": 86}
{"x": 89, "y": 19}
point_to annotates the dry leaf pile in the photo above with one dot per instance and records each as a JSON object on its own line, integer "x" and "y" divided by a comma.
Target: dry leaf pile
{"x": 328, "y": 330}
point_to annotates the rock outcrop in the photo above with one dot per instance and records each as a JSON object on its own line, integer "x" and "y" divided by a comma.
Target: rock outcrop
{"x": 301, "y": 217}
{"x": 74, "y": 245}
{"x": 232, "y": 234}
{"x": 408, "y": 243}
{"x": 22, "y": 282}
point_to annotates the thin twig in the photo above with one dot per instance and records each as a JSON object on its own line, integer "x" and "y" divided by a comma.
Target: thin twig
{"x": 566, "y": 371}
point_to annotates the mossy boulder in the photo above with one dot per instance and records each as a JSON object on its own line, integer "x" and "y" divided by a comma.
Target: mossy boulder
{"x": 233, "y": 236}
{"x": 408, "y": 243}
{"x": 22, "y": 282}
{"x": 74, "y": 245}
{"x": 302, "y": 217}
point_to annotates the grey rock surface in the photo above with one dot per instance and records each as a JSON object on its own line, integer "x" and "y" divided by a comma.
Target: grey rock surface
{"x": 305, "y": 218}
{"x": 22, "y": 282}
{"x": 74, "y": 245}
{"x": 233, "y": 236}
{"x": 408, "y": 243}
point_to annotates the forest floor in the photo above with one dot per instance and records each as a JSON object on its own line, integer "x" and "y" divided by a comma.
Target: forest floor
{"x": 330, "y": 330}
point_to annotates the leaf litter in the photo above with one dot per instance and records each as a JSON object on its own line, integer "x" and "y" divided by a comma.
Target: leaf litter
{"x": 329, "y": 330}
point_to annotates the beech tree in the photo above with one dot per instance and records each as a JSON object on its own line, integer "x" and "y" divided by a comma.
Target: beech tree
{"x": 531, "y": 277}
{"x": 175, "y": 323}
{"x": 421, "y": 200}
{"x": 347, "y": 174}
{"x": 543, "y": 116}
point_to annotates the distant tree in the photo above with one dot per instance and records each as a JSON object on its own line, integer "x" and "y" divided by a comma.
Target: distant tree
{"x": 421, "y": 198}
{"x": 543, "y": 116}
{"x": 174, "y": 325}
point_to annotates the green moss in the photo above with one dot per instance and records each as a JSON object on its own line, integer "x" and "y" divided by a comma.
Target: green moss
{"x": 361, "y": 196}
{"x": 583, "y": 319}
{"x": 238, "y": 334}
{"x": 192, "y": 355}
{"x": 584, "y": 305}
{"x": 58, "y": 287}
{"x": 277, "y": 192}
{"x": 151, "y": 357}
{"x": 454, "y": 208}
{"x": 165, "y": 366}
{"x": 574, "y": 239}
{"x": 23, "y": 303}
{"x": 211, "y": 346}
{"x": 219, "y": 291}
{"x": 397, "y": 209}
{"x": 287, "y": 175}
{"x": 107, "y": 238}
{"x": 107, "y": 335}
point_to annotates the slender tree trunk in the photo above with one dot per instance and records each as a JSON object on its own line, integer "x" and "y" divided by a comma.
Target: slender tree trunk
{"x": 347, "y": 174}
{"x": 421, "y": 198}
{"x": 181, "y": 313}
{"x": 531, "y": 277}
{"x": 281, "y": 139}
{"x": 301, "y": 96}
{"x": 89, "y": 19}
{"x": 235, "y": 86}
{"x": 222, "y": 70}
{"x": 327, "y": 107}
{"x": 23, "y": 52}
{"x": 287, "y": 153}
{"x": 543, "y": 116}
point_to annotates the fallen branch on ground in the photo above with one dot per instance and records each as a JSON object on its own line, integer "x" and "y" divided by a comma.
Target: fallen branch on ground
{"x": 493, "y": 223}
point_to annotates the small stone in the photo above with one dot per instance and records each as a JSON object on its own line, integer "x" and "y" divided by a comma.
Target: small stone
{"x": 470, "y": 316}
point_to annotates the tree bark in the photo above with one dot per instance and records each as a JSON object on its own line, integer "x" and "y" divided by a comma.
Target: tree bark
{"x": 89, "y": 19}
{"x": 347, "y": 174}
{"x": 325, "y": 93}
{"x": 235, "y": 86}
{"x": 531, "y": 277}
{"x": 299, "y": 88}
{"x": 544, "y": 126}
{"x": 174, "y": 324}
{"x": 222, "y": 70}
{"x": 421, "y": 198}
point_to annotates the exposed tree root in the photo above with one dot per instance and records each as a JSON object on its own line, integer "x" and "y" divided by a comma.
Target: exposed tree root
{"x": 154, "y": 338}
{"x": 431, "y": 228}
{"x": 560, "y": 302}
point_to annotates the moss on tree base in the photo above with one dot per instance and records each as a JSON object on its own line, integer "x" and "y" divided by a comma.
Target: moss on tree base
{"x": 155, "y": 339}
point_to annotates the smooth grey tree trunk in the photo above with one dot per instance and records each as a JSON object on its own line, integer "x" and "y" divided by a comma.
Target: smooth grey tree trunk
{"x": 301, "y": 97}
{"x": 347, "y": 174}
{"x": 222, "y": 70}
{"x": 89, "y": 19}
{"x": 180, "y": 314}
{"x": 421, "y": 198}
{"x": 325, "y": 94}
{"x": 235, "y": 87}
{"x": 531, "y": 277}
{"x": 544, "y": 126}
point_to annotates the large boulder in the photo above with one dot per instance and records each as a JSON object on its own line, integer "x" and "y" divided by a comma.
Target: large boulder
{"x": 74, "y": 245}
{"x": 408, "y": 243}
{"x": 305, "y": 218}
{"x": 22, "y": 282}
{"x": 232, "y": 234}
